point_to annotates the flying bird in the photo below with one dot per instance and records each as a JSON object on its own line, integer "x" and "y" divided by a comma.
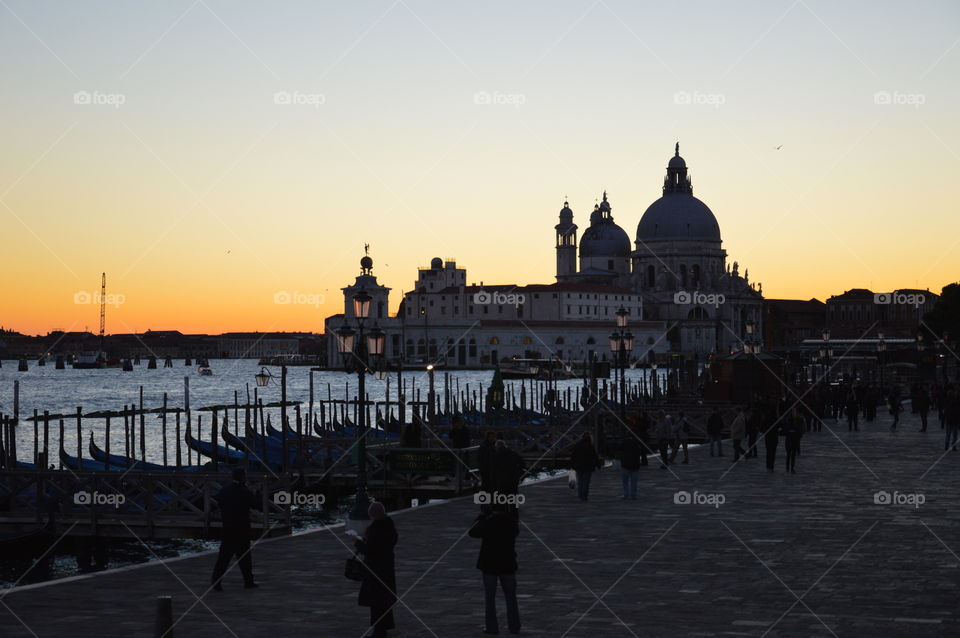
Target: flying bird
{"x": 779, "y": 147}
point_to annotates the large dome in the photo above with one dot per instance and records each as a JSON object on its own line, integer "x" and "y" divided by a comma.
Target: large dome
{"x": 678, "y": 216}
{"x": 605, "y": 239}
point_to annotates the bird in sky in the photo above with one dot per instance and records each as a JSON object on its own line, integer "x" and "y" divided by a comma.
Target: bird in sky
{"x": 779, "y": 147}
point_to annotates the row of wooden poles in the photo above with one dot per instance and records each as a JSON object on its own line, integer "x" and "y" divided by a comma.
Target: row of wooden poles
{"x": 333, "y": 413}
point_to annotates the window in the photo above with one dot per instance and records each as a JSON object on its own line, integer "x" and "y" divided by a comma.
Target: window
{"x": 651, "y": 277}
{"x": 527, "y": 341}
{"x": 559, "y": 341}
{"x": 591, "y": 341}
{"x": 494, "y": 341}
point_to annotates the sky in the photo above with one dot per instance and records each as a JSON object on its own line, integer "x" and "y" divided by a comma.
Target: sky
{"x": 225, "y": 162}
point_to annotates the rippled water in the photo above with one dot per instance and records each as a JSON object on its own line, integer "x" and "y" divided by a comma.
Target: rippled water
{"x": 62, "y": 391}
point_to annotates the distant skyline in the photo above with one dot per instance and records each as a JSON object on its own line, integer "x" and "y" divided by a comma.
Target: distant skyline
{"x": 215, "y": 158}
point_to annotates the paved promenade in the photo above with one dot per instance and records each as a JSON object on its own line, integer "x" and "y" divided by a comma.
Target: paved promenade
{"x": 809, "y": 554}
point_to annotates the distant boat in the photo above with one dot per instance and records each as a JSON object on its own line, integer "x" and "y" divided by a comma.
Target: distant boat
{"x": 204, "y": 371}
{"x": 88, "y": 361}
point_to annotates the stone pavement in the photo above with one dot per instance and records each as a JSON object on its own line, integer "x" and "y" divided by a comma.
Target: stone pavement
{"x": 810, "y": 554}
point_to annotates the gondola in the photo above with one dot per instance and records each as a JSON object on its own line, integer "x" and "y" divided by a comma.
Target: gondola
{"x": 133, "y": 464}
{"x": 222, "y": 453}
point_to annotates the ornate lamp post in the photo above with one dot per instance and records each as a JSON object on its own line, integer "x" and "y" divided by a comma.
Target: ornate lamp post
{"x": 621, "y": 344}
{"x": 358, "y": 354}
{"x": 263, "y": 379}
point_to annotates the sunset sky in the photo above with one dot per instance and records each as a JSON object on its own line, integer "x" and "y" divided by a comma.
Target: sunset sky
{"x": 208, "y": 155}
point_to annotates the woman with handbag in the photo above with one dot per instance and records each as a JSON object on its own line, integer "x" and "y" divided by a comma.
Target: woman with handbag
{"x": 379, "y": 587}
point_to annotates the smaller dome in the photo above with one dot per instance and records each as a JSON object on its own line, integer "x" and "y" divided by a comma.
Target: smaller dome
{"x": 677, "y": 162}
{"x": 366, "y": 262}
{"x": 605, "y": 240}
{"x": 436, "y": 263}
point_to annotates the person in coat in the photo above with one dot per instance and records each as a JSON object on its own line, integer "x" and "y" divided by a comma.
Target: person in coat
{"x": 793, "y": 430}
{"x": 665, "y": 438}
{"x": 951, "y": 419}
{"x": 738, "y": 432}
{"x": 459, "y": 434}
{"x": 378, "y": 591}
{"x": 629, "y": 466}
{"x": 715, "y": 431}
{"x": 508, "y": 470}
{"x": 235, "y": 502}
{"x": 771, "y": 438}
{"x": 498, "y": 531}
{"x": 584, "y": 460}
{"x": 486, "y": 461}
{"x": 681, "y": 436}
{"x": 754, "y": 426}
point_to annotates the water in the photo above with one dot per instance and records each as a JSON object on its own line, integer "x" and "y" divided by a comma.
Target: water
{"x": 62, "y": 391}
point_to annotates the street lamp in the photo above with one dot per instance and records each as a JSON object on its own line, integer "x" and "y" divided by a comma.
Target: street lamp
{"x": 621, "y": 343}
{"x": 358, "y": 352}
{"x": 263, "y": 379}
{"x": 944, "y": 350}
{"x": 431, "y": 395}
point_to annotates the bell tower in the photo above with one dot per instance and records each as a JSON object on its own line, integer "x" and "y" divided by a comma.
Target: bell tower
{"x": 566, "y": 243}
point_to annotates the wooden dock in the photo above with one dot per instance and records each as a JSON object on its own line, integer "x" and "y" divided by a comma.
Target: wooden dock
{"x": 810, "y": 554}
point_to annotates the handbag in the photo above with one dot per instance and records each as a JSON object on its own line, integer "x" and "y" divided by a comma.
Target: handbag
{"x": 354, "y": 569}
{"x": 572, "y": 479}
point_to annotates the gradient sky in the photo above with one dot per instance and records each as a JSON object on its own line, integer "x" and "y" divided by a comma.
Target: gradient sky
{"x": 202, "y": 198}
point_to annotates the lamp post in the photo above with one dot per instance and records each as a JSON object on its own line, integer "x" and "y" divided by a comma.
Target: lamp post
{"x": 431, "y": 395}
{"x": 358, "y": 353}
{"x": 944, "y": 350}
{"x": 263, "y": 379}
{"x": 621, "y": 344}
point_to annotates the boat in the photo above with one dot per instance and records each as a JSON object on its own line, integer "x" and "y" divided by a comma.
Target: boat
{"x": 204, "y": 371}
{"x": 222, "y": 453}
{"x": 541, "y": 369}
{"x": 88, "y": 361}
{"x": 127, "y": 463}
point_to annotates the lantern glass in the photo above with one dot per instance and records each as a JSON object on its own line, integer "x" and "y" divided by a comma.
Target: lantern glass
{"x": 622, "y": 315}
{"x": 628, "y": 342}
{"x": 826, "y": 334}
{"x": 345, "y": 337}
{"x": 614, "y": 343}
{"x": 750, "y": 327}
{"x": 262, "y": 378}
{"x": 361, "y": 305}
{"x": 376, "y": 340}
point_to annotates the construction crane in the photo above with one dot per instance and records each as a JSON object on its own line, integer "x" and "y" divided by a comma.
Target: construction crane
{"x": 103, "y": 314}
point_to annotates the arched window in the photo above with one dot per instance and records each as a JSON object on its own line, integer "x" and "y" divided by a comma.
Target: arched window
{"x": 683, "y": 275}
{"x": 473, "y": 347}
{"x": 695, "y": 275}
{"x": 559, "y": 341}
{"x": 651, "y": 277}
{"x": 527, "y": 341}
{"x": 591, "y": 341}
{"x": 421, "y": 347}
{"x": 494, "y": 341}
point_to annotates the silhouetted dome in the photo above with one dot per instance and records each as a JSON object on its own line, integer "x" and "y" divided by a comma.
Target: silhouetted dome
{"x": 678, "y": 216}
{"x": 436, "y": 262}
{"x": 605, "y": 240}
{"x": 676, "y": 162}
{"x": 366, "y": 262}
